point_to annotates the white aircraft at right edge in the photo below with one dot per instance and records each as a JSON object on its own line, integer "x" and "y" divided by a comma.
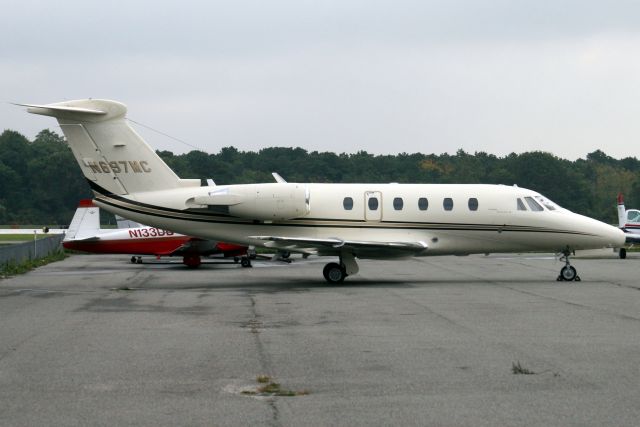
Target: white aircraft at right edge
{"x": 349, "y": 221}
{"x": 629, "y": 223}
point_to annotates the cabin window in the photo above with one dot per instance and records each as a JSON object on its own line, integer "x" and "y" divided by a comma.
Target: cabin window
{"x": 423, "y": 203}
{"x": 521, "y": 206}
{"x": 347, "y": 203}
{"x": 447, "y": 204}
{"x": 373, "y": 203}
{"x": 398, "y": 203}
{"x": 533, "y": 205}
{"x": 473, "y": 204}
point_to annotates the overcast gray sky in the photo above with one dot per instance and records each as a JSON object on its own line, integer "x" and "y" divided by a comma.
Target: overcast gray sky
{"x": 498, "y": 76}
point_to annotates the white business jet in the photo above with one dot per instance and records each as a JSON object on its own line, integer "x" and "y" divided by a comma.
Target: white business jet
{"x": 350, "y": 221}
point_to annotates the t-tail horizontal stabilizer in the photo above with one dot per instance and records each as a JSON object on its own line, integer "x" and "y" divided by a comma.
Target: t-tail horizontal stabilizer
{"x": 112, "y": 156}
{"x": 54, "y": 110}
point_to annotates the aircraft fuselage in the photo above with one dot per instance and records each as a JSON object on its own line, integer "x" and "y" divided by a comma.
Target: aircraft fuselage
{"x": 454, "y": 219}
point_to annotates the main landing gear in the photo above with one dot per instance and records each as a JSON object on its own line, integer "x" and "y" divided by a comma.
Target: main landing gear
{"x": 136, "y": 260}
{"x": 336, "y": 272}
{"x": 244, "y": 261}
{"x": 568, "y": 272}
{"x": 192, "y": 261}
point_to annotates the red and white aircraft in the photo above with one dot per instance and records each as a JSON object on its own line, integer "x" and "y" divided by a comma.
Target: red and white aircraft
{"x": 629, "y": 222}
{"x": 85, "y": 235}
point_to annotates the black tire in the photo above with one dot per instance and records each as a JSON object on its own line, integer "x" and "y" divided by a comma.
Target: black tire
{"x": 622, "y": 253}
{"x": 334, "y": 273}
{"x": 568, "y": 273}
{"x": 133, "y": 260}
{"x": 285, "y": 254}
{"x": 245, "y": 262}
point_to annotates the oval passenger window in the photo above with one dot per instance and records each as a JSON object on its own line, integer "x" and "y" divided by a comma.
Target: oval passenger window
{"x": 347, "y": 203}
{"x": 398, "y": 203}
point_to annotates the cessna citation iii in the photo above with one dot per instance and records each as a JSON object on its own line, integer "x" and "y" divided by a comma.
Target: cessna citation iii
{"x": 377, "y": 221}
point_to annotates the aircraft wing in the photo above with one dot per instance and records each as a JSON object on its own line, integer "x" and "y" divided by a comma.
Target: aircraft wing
{"x": 632, "y": 237}
{"x": 193, "y": 245}
{"x": 334, "y": 246}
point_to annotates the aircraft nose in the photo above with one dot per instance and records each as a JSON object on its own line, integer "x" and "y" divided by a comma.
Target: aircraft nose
{"x": 618, "y": 238}
{"x": 613, "y": 237}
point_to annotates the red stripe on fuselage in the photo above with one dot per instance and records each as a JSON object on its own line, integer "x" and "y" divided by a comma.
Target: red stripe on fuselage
{"x": 142, "y": 246}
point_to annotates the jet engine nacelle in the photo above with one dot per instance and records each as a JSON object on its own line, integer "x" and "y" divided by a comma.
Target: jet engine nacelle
{"x": 277, "y": 201}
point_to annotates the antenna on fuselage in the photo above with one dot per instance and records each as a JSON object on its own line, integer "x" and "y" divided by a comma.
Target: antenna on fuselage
{"x": 278, "y": 178}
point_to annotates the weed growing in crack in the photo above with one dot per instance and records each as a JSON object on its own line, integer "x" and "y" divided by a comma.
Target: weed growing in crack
{"x": 272, "y": 388}
{"x": 517, "y": 369}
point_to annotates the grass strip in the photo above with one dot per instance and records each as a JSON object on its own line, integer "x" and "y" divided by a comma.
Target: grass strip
{"x": 13, "y": 269}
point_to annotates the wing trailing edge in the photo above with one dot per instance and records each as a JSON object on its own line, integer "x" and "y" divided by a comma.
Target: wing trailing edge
{"x": 334, "y": 246}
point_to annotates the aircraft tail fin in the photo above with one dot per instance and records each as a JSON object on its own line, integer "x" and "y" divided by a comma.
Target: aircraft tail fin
{"x": 622, "y": 213}
{"x": 85, "y": 222}
{"x": 112, "y": 156}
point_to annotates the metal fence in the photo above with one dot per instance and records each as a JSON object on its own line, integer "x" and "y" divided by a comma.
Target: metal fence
{"x": 21, "y": 252}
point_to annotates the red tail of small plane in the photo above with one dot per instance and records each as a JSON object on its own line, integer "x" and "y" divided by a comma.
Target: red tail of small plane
{"x": 84, "y": 234}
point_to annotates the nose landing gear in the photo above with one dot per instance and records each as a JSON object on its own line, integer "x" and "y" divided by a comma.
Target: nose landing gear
{"x": 568, "y": 272}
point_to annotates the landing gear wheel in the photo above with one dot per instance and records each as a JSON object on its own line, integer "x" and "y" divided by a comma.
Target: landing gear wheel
{"x": 139, "y": 260}
{"x": 622, "y": 253}
{"x": 334, "y": 273}
{"x": 236, "y": 260}
{"x": 133, "y": 260}
{"x": 192, "y": 261}
{"x": 568, "y": 273}
{"x": 245, "y": 262}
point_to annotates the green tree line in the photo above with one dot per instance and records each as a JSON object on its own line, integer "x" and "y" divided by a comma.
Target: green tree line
{"x": 41, "y": 183}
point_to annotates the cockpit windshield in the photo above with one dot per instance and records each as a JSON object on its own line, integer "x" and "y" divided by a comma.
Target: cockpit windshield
{"x": 547, "y": 203}
{"x": 538, "y": 203}
{"x": 633, "y": 216}
{"x": 533, "y": 205}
